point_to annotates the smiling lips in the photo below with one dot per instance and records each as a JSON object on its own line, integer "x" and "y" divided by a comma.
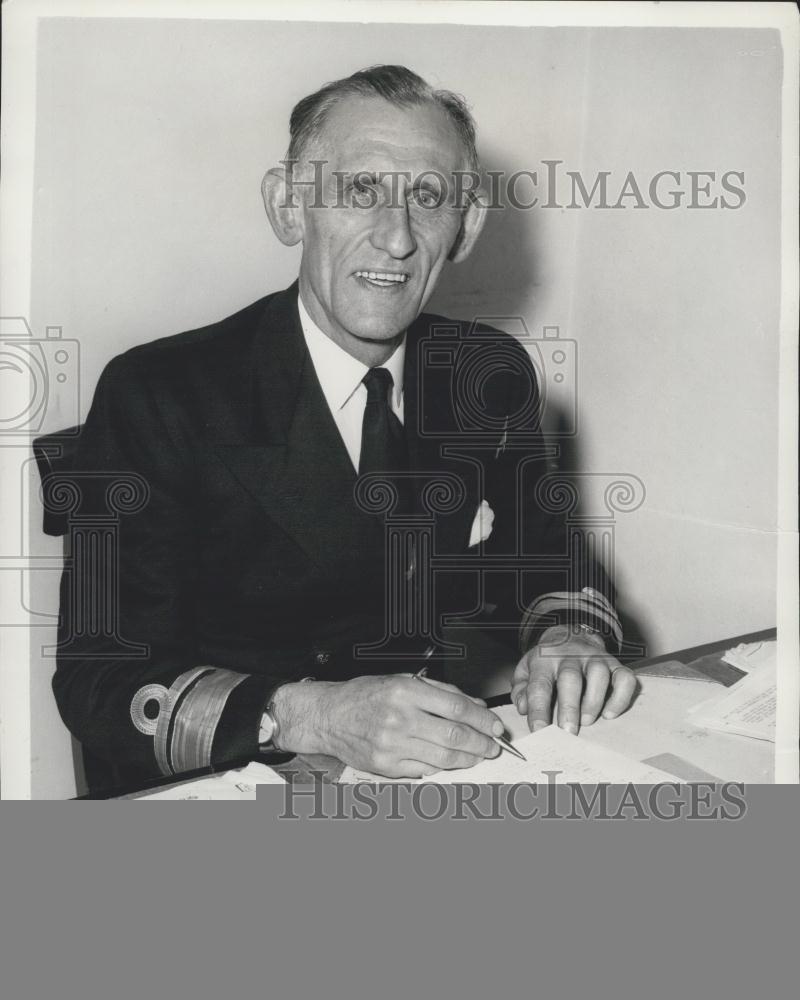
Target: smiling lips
{"x": 383, "y": 279}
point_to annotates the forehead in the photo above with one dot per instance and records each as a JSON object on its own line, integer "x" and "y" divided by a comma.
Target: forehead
{"x": 364, "y": 132}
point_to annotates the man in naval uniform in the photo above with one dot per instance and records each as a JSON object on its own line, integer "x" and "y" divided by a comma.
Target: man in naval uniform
{"x": 253, "y": 580}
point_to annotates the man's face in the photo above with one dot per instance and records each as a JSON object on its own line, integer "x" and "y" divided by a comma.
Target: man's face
{"x": 373, "y": 254}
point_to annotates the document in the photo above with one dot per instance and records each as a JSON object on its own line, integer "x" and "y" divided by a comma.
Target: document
{"x": 750, "y": 656}
{"x": 553, "y": 756}
{"x": 230, "y": 786}
{"x": 746, "y": 709}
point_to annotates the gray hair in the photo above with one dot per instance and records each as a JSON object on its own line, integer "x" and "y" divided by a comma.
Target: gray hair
{"x": 396, "y": 84}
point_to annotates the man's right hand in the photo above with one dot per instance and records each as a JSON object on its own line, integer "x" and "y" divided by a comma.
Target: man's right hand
{"x": 397, "y": 726}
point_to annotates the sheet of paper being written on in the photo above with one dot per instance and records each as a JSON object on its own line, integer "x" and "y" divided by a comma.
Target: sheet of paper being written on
{"x": 239, "y": 785}
{"x": 569, "y": 759}
{"x": 746, "y": 709}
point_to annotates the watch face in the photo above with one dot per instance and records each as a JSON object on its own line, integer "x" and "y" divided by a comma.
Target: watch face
{"x": 267, "y": 729}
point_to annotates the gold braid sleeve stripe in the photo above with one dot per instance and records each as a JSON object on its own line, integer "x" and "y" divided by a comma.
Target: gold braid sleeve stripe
{"x": 589, "y": 602}
{"x": 188, "y": 715}
{"x": 197, "y": 717}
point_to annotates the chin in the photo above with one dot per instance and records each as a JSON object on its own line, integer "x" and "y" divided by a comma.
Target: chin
{"x": 373, "y": 327}
{"x": 382, "y": 327}
{"x": 379, "y": 334}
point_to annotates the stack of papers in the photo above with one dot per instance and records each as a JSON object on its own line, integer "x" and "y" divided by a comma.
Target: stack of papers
{"x": 747, "y": 708}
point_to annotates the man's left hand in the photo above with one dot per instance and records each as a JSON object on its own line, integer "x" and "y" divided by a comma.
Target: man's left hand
{"x": 575, "y": 669}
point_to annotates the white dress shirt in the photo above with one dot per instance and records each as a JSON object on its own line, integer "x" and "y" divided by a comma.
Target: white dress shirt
{"x": 340, "y": 376}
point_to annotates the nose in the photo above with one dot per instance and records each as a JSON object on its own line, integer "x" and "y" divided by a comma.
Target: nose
{"x": 392, "y": 232}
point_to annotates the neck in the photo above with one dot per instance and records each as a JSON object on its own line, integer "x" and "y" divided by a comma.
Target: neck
{"x": 372, "y": 353}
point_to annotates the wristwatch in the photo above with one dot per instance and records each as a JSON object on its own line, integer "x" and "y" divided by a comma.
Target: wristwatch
{"x": 269, "y": 729}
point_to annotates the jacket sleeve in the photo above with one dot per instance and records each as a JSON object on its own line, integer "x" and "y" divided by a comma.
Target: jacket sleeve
{"x": 558, "y": 581}
{"x": 129, "y": 682}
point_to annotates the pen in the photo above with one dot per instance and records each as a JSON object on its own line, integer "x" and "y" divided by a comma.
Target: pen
{"x": 501, "y": 741}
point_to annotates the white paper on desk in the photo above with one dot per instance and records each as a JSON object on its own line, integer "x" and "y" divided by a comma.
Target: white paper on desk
{"x": 750, "y": 656}
{"x": 746, "y": 709}
{"x": 575, "y": 759}
{"x": 230, "y": 786}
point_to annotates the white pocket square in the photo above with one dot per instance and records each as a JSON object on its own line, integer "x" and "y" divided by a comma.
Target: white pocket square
{"x": 482, "y": 525}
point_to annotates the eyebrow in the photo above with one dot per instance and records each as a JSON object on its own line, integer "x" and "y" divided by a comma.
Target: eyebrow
{"x": 379, "y": 176}
{"x": 428, "y": 185}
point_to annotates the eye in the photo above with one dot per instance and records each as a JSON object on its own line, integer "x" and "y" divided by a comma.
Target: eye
{"x": 427, "y": 198}
{"x": 363, "y": 183}
{"x": 366, "y": 190}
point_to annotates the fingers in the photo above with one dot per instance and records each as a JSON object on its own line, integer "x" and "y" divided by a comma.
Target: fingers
{"x": 623, "y": 687}
{"x": 430, "y": 726}
{"x": 519, "y": 695}
{"x": 522, "y": 671}
{"x": 415, "y": 769}
{"x": 451, "y": 704}
{"x": 597, "y": 678}
{"x": 574, "y": 698}
{"x": 454, "y": 736}
{"x": 570, "y": 689}
{"x": 519, "y": 685}
{"x": 539, "y": 698}
{"x": 443, "y": 758}
{"x": 581, "y": 683}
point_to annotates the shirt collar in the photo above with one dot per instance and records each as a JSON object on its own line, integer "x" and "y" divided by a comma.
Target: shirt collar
{"x": 339, "y": 373}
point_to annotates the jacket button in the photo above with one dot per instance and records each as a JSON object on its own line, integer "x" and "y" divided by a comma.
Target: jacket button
{"x": 322, "y": 657}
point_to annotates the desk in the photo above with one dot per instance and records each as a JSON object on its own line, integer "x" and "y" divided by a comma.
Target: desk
{"x": 655, "y": 724}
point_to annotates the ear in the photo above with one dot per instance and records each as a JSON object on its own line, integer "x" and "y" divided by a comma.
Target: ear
{"x": 472, "y": 222}
{"x": 284, "y": 210}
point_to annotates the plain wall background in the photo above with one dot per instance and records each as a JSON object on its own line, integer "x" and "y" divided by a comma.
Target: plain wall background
{"x": 152, "y": 139}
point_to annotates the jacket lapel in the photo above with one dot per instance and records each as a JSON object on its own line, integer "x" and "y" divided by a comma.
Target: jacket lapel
{"x": 292, "y": 459}
{"x": 295, "y": 462}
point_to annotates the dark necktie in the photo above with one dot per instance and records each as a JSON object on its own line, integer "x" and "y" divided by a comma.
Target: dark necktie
{"x": 383, "y": 446}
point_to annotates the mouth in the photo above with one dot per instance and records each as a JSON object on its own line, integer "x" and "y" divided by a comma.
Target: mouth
{"x": 383, "y": 279}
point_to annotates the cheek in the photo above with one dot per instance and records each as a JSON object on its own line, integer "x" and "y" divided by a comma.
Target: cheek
{"x": 437, "y": 234}
{"x": 334, "y": 244}
{"x": 323, "y": 260}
